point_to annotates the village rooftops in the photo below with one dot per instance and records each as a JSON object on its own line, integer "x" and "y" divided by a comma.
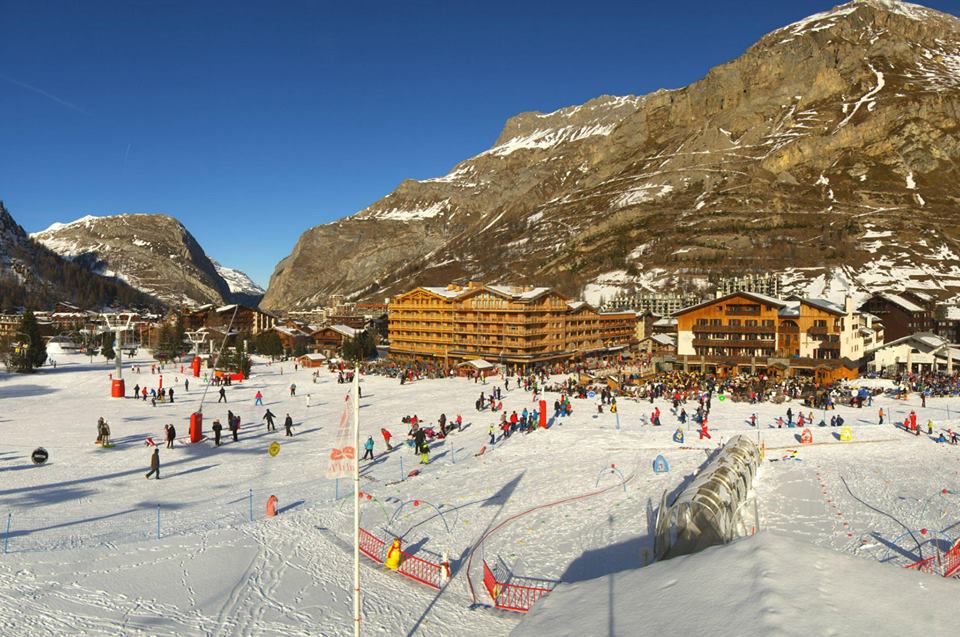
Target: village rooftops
{"x": 896, "y": 299}
{"x": 346, "y": 330}
{"x": 760, "y": 298}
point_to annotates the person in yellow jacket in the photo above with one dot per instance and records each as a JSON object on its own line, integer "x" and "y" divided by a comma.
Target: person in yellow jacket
{"x": 393, "y": 555}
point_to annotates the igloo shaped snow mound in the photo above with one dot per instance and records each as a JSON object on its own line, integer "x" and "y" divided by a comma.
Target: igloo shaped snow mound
{"x": 767, "y": 584}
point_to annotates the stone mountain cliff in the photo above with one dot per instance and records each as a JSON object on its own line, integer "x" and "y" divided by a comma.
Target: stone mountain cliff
{"x": 827, "y": 151}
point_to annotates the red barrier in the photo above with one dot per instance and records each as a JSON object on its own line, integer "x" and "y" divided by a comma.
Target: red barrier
{"x": 419, "y": 570}
{"x": 511, "y": 596}
{"x": 411, "y": 566}
{"x": 371, "y": 546}
{"x": 928, "y": 565}
{"x": 951, "y": 561}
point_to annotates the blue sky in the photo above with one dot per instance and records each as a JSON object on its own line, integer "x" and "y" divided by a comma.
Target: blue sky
{"x": 251, "y": 122}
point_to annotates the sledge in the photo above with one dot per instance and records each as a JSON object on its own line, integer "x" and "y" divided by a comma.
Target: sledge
{"x": 413, "y": 473}
{"x": 149, "y": 442}
{"x": 482, "y": 451}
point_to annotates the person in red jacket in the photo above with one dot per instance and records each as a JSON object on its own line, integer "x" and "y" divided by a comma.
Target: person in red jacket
{"x": 703, "y": 431}
{"x": 386, "y": 438}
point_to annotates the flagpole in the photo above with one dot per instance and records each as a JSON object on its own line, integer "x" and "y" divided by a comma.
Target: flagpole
{"x": 356, "y": 501}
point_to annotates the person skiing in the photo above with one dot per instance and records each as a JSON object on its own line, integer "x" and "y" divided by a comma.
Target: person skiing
{"x": 368, "y": 448}
{"x": 493, "y": 435}
{"x": 217, "y": 428}
{"x": 293, "y": 389}
{"x": 258, "y": 399}
{"x": 105, "y": 439}
{"x": 881, "y": 415}
{"x": 234, "y": 425}
{"x": 143, "y": 392}
{"x": 154, "y": 464}
{"x": 703, "y": 431}
{"x": 269, "y": 416}
{"x": 386, "y": 438}
{"x": 288, "y": 425}
{"x": 419, "y": 440}
{"x": 100, "y": 422}
{"x": 223, "y": 395}
{"x": 170, "y": 393}
{"x": 136, "y": 391}
{"x": 171, "y": 435}
{"x": 186, "y": 384}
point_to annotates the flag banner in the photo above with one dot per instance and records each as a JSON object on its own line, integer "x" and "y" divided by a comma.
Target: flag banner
{"x": 343, "y": 455}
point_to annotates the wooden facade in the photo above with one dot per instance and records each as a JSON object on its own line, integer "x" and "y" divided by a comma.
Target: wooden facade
{"x": 745, "y": 333}
{"x": 522, "y": 326}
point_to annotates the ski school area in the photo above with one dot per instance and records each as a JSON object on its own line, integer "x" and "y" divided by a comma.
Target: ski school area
{"x": 843, "y": 530}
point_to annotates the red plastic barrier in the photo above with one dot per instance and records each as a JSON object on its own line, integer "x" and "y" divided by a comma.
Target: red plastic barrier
{"x": 419, "y": 570}
{"x": 511, "y": 596}
{"x": 195, "y": 367}
{"x": 371, "y": 546}
{"x": 117, "y": 388}
{"x": 951, "y": 561}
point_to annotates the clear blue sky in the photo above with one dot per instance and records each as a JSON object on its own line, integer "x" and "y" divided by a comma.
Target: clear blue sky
{"x": 251, "y": 122}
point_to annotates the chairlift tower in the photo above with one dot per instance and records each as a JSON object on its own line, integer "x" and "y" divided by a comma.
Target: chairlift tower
{"x": 117, "y": 324}
{"x": 196, "y": 339}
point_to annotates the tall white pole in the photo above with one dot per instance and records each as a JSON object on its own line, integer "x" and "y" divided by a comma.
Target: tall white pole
{"x": 356, "y": 501}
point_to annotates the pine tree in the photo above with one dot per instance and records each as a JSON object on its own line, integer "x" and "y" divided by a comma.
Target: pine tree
{"x": 268, "y": 343}
{"x": 106, "y": 349}
{"x": 30, "y": 351}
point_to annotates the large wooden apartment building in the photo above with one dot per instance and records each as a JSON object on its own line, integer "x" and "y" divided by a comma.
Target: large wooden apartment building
{"x": 515, "y": 325}
{"x": 745, "y": 332}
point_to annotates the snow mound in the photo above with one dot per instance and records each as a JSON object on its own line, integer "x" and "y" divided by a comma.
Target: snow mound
{"x": 768, "y": 584}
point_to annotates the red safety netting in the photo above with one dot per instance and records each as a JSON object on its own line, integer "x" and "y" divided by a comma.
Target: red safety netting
{"x": 513, "y": 597}
{"x": 947, "y": 564}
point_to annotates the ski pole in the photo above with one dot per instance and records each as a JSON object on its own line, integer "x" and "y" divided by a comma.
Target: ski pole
{"x": 251, "y": 505}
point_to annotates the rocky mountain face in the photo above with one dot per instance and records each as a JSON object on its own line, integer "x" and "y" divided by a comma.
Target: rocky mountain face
{"x": 151, "y": 252}
{"x": 242, "y": 287}
{"x": 33, "y": 276}
{"x": 827, "y": 151}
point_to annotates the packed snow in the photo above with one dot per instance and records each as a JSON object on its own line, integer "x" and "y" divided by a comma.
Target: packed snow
{"x": 83, "y": 555}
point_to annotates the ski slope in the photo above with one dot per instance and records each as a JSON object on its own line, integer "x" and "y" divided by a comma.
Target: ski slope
{"x": 84, "y": 558}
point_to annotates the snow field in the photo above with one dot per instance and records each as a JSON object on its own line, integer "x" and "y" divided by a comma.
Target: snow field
{"x": 84, "y": 557}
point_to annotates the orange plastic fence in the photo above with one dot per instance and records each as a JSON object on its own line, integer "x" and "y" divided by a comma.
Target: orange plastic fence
{"x": 511, "y": 596}
{"x": 951, "y": 561}
{"x": 947, "y": 564}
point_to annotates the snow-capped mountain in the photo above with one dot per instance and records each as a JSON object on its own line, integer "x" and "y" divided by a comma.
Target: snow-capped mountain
{"x": 242, "y": 287}
{"x": 32, "y": 275}
{"x": 827, "y": 151}
{"x": 152, "y": 252}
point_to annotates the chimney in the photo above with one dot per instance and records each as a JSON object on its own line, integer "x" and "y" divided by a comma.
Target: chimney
{"x": 848, "y": 305}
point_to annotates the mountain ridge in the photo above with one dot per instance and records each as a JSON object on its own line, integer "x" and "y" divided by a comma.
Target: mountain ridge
{"x": 792, "y": 158}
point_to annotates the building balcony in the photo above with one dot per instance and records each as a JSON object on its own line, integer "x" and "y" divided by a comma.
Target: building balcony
{"x": 817, "y": 331}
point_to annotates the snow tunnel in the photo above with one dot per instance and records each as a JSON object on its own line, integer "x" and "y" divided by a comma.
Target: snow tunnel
{"x": 709, "y": 509}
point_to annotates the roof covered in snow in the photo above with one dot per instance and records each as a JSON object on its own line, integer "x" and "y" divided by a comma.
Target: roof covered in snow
{"x": 896, "y": 299}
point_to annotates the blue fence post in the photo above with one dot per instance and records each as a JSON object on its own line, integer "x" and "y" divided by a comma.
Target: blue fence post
{"x": 402, "y": 477}
{"x": 453, "y": 454}
{"x": 6, "y": 536}
{"x": 336, "y": 493}
{"x": 617, "y": 414}
{"x": 251, "y": 505}
{"x": 158, "y": 521}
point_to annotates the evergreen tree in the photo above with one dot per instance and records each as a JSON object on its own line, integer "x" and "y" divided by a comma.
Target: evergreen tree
{"x": 268, "y": 343}
{"x": 29, "y": 349}
{"x": 106, "y": 349}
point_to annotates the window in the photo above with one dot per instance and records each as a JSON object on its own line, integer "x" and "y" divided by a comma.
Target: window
{"x": 819, "y": 323}
{"x": 752, "y": 322}
{"x": 734, "y": 322}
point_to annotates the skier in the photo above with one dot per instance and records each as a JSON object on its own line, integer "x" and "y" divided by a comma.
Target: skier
{"x": 223, "y": 395}
{"x": 703, "y": 431}
{"x": 136, "y": 391}
{"x": 100, "y": 422}
{"x": 599, "y": 405}
{"x": 930, "y": 427}
{"x": 105, "y": 439}
{"x": 288, "y": 425}
{"x": 258, "y": 399}
{"x": 154, "y": 464}
{"x": 368, "y": 448}
{"x": 170, "y": 393}
{"x": 881, "y": 415}
{"x": 269, "y": 416}
{"x": 143, "y": 392}
{"x": 233, "y": 423}
{"x": 386, "y": 438}
{"x": 217, "y": 428}
{"x": 186, "y": 384}
{"x": 493, "y": 435}
{"x": 293, "y": 389}
{"x": 171, "y": 435}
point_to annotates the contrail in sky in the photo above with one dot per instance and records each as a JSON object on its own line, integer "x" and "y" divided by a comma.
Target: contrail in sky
{"x": 40, "y": 91}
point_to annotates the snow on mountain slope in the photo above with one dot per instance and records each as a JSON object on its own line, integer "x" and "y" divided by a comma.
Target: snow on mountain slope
{"x": 152, "y": 252}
